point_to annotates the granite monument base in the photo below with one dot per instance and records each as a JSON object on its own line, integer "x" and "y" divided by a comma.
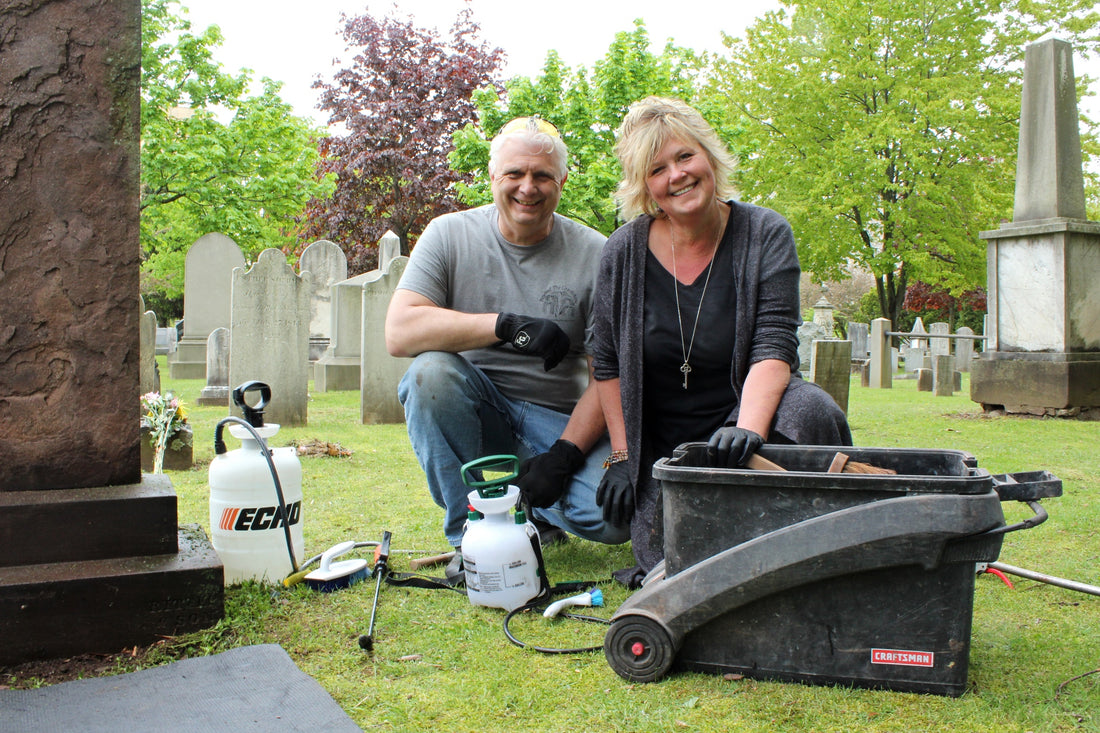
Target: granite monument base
{"x": 1036, "y": 383}
{"x": 100, "y": 569}
{"x": 336, "y": 374}
{"x": 189, "y": 360}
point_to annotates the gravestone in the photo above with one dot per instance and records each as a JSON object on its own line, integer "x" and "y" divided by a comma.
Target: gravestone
{"x": 919, "y": 331}
{"x": 216, "y": 391}
{"x": 808, "y": 333}
{"x": 943, "y": 375}
{"x": 91, "y": 557}
{"x": 939, "y": 346}
{"x": 857, "y": 334}
{"x": 831, "y": 369}
{"x": 389, "y": 248}
{"x": 925, "y": 380}
{"x": 380, "y": 371}
{"x": 964, "y": 349}
{"x": 207, "y": 278}
{"x": 269, "y": 335}
{"x": 166, "y": 341}
{"x": 1043, "y": 351}
{"x": 915, "y": 348}
{"x": 149, "y": 375}
{"x": 340, "y": 366}
{"x": 881, "y": 370}
{"x": 327, "y": 264}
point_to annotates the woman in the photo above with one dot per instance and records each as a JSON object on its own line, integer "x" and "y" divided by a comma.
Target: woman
{"x": 696, "y": 321}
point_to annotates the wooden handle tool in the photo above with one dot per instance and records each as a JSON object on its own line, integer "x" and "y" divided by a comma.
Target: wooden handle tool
{"x": 425, "y": 562}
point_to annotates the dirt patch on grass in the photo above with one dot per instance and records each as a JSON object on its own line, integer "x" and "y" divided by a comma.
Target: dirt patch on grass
{"x": 45, "y": 672}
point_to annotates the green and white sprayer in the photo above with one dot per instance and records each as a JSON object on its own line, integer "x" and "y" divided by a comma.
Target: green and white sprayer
{"x": 501, "y": 552}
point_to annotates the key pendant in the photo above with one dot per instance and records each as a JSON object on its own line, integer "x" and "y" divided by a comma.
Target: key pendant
{"x": 685, "y": 369}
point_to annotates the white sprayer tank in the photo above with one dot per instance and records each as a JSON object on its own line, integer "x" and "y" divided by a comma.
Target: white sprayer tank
{"x": 245, "y": 525}
{"x": 502, "y": 570}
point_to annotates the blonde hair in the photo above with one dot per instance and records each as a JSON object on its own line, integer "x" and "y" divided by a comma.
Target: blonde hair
{"x": 648, "y": 125}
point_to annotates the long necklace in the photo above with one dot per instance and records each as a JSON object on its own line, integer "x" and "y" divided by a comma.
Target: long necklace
{"x": 685, "y": 350}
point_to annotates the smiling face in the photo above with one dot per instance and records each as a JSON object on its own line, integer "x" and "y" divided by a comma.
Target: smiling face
{"x": 526, "y": 189}
{"x": 680, "y": 179}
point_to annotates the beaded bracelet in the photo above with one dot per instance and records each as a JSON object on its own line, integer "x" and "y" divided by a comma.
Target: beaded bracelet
{"x": 617, "y": 456}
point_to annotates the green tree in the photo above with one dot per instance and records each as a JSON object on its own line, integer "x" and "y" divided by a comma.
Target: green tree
{"x": 586, "y": 107}
{"x": 886, "y": 131}
{"x": 247, "y": 178}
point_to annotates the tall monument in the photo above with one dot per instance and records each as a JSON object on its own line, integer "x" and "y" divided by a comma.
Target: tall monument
{"x": 1043, "y": 354}
{"x": 91, "y": 556}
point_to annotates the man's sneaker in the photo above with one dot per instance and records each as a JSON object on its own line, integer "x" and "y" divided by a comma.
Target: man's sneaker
{"x": 549, "y": 534}
{"x": 454, "y": 572}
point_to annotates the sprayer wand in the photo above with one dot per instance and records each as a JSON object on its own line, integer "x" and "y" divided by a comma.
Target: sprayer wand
{"x": 381, "y": 568}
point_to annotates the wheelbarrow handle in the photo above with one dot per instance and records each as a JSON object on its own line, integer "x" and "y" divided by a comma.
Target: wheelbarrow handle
{"x": 1027, "y": 485}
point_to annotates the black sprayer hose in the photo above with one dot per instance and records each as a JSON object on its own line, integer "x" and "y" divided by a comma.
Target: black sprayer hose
{"x": 220, "y": 449}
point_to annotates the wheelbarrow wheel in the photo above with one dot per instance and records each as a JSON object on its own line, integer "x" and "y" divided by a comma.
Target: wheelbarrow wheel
{"x": 638, "y": 649}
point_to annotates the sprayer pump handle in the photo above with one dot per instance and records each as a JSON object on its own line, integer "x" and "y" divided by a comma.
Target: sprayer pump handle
{"x": 253, "y": 414}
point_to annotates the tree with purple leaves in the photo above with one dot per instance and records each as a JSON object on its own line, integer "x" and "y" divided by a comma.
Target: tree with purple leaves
{"x": 398, "y": 102}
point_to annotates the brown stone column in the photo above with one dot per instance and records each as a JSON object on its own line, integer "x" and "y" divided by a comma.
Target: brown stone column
{"x": 69, "y": 249}
{"x": 91, "y": 555}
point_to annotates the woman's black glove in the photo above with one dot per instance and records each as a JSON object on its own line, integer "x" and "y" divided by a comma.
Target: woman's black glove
{"x": 534, "y": 337}
{"x": 731, "y": 446}
{"x": 543, "y": 479}
{"x": 615, "y": 494}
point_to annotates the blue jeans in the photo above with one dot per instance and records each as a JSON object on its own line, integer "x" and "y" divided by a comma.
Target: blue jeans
{"x": 454, "y": 415}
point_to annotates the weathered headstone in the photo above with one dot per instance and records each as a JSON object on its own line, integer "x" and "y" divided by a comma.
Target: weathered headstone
{"x": 823, "y": 316}
{"x": 91, "y": 557}
{"x": 380, "y": 371}
{"x": 166, "y": 340}
{"x": 269, "y": 335}
{"x": 964, "y": 349}
{"x": 915, "y": 348}
{"x": 389, "y": 248}
{"x": 808, "y": 333}
{"x": 207, "y": 278}
{"x": 327, "y": 264}
{"x": 943, "y": 375}
{"x": 216, "y": 391}
{"x": 339, "y": 368}
{"x": 857, "y": 334}
{"x": 1043, "y": 354}
{"x": 831, "y": 369}
{"x": 937, "y": 345}
{"x": 925, "y": 380}
{"x": 149, "y": 375}
{"x": 881, "y": 370}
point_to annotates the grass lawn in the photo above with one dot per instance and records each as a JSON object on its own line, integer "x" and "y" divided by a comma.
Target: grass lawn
{"x": 440, "y": 663}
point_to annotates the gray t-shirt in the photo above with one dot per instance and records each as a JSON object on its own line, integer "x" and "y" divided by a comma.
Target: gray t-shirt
{"x": 462, "y": 262}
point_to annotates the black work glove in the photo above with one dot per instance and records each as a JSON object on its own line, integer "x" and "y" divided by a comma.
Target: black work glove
{"x": 731, "y": 446}
{"x": 534, "y": 337}
{"x": 615, "y": 494}
{"x": 543, "y": 478}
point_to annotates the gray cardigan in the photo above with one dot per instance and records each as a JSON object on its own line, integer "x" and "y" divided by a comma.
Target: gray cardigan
{"x": 765, "y": 273}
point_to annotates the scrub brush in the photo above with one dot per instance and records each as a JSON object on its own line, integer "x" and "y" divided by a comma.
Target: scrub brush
{"x": 593, "y": 597}
{"x": 333, "y": 575}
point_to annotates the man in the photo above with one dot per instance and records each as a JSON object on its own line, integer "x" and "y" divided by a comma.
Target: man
{"x": 496, "y": 306}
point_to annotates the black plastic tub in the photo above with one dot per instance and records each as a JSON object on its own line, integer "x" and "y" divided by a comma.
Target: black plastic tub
{"x": 838, "y": 617}
{"x": 707, "y": 510}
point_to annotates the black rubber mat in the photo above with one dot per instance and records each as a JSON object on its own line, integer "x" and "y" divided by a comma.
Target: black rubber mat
{"x": 254, "y": 688}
